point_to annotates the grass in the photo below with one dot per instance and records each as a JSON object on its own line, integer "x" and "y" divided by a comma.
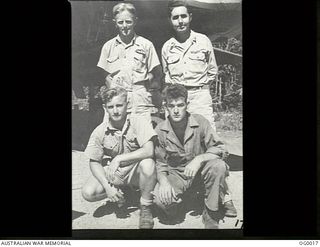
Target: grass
{"x": 229, "y": 120}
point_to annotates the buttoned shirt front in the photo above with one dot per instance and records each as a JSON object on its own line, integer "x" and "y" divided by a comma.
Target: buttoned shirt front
{"x": 191, "y": 63}
{"x": 105, "y": 140}
{"x": 199, "y": 138}
{"x": 128, "y": 63}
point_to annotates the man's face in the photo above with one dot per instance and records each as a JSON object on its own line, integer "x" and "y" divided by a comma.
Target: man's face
{"x": 125, "y": 23}
{"x": 117, "y": 108}
{"x": 180, "y": 19}
{"x": 177, "y": 109}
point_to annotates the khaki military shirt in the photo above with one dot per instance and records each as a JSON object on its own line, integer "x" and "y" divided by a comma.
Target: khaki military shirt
{"x": 192, "y": 63}
{"x": 199, "y": 138}
{"x": 128, "y": 64}
{"x": 105, "y": 140}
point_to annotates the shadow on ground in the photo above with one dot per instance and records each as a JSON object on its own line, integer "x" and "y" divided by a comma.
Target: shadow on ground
{"x": 235, "y": 162}
{"x": 76, "y": 214}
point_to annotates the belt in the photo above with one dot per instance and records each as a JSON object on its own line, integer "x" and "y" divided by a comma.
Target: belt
{"x": 206, "y": 86}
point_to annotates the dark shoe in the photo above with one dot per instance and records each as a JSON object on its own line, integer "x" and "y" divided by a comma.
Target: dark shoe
{"x": 230, "y": 210}
{"x": 146, "y": 219}
{"x": 208, "y": 220}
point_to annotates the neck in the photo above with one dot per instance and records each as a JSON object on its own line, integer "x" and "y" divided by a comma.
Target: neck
{"x": 118, "y": 124}
{"x": 183, "y": 36}
{"x": 179, "y": 125}
{"x": 126, "y": 39}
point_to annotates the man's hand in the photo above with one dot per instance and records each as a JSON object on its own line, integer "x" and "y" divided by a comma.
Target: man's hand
{"x": 192, "y": 168}
{"x": 113, "y": 194}
{"x": 166, "y": 193}
{"x": 109, "y": 81}
{"x": 112, "y": 168}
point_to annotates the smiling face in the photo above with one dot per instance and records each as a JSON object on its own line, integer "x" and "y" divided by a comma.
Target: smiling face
{"x": 180, "y": 19}
{"x": 177, "y": 109}
{"x": 125, "y": 23}
{"x": 117, "y": 108}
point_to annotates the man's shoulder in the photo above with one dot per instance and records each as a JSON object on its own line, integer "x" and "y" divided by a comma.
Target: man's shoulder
{"x": 143, "y": 41}
{"x": 100, "y": 129}
{"x": 110, "y": 42}
{"x": 168, "y": 43}
{"x": 201, "y": 36}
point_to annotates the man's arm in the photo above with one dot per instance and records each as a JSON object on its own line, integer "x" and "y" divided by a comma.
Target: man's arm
{"x": 146, "y": 151}
{"x": 98, "y": 172}
{"x": 212, "y": 64}
{"x": 215, "y": 149}
{"x": 166, "y": 191}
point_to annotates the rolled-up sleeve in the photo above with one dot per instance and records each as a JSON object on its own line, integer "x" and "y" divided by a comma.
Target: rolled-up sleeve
{"x": 153, "y": 60}
{"x": 160, "y": 155}
{"x": 143, "y": 129}
{"x": 94, "y": 149}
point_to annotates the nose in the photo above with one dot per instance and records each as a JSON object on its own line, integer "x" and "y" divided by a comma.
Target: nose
{"x": 124, "y": 24}
{"x": 180, "y": 19}
{"x": 175, "y": 110}
{"x": 115, "y": 110}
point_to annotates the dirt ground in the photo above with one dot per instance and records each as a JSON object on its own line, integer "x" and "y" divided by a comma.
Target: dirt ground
{"x": 99, "y": 215}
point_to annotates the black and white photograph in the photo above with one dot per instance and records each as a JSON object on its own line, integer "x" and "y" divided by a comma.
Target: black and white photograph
{"x": 157, "y": 114}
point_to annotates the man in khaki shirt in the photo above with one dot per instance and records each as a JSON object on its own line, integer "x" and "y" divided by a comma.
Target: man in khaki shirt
{"x": 120, "y": 151}
{"x": 188, "y": 59}
{"x": 189, "y": 147}
{"x": 130, "y": 61}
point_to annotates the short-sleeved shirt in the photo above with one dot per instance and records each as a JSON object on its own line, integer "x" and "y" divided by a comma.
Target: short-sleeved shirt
{"x": 199, "y": 138}
{"x": 191, "y": 63}
{"x": 105, "y": 140}
{"x": 128, "y": 63}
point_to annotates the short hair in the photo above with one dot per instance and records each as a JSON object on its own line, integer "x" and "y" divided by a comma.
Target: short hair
{"x": 177, "y": 3}
{"x": 120, "y": 7}
{"x": 108, "y": 94}
{"x": 176, "y": 91}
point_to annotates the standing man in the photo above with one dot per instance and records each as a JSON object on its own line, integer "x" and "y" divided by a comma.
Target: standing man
{"x": 188, "y": 146}
{"x": 126, "y": 140}
{"x": 188, "y": 59}
{"x": 130, "y": 61}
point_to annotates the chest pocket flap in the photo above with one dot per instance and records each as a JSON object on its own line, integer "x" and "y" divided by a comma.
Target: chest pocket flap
{"x": 199, "y": 55}
{"x": 173, "y": 59}
{"x": 112, "y": 59}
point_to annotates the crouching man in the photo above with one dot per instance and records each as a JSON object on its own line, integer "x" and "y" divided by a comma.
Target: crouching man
{"x": 188, "y": 146}
{"x": 127, "y": 140}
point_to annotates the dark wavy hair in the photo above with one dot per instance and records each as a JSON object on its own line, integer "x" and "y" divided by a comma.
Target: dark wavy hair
{"x": 176, "y": 91}
{"x": 177, "y": 3}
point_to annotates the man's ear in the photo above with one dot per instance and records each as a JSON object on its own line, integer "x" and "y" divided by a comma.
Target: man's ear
{"x": 104, "y": 106}
{"x": 190, "y": 17}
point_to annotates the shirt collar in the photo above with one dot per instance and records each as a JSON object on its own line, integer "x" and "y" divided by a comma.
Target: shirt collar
{"x": 192, "y": 122}
{"x": 191, "y": 40}
{"x": 133, "y": 41}
{"x": 109, "y": 128}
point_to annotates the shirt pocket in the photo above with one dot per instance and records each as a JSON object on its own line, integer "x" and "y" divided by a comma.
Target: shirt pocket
{"x": 173, "y": 64}
{"x": 198, "y": 61}
{"x": 139, "y": 60}
{"x": 112, "y": 64}
{"x": 111, "y": 146}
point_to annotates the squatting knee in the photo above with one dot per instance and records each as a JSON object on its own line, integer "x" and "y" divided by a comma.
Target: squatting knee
{"x": 147, "y": 167}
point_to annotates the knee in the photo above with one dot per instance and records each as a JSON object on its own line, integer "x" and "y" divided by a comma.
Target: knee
{"x": 217, "y": 167}
{"x": 147, "y": 167}
{"x": 87, "y": 193}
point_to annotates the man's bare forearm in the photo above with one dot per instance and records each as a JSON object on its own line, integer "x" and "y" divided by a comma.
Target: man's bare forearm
{"x": 99, "y": 173}
{"x": 145, "y": 152}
